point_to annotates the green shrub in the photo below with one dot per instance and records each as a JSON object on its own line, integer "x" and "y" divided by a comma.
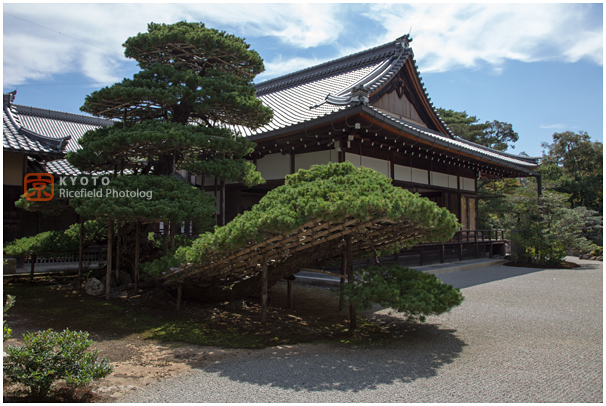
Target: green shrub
{"x": 49, "y": 356}
{"x": 10, "y": 302}
{"x": 414, "y": 293}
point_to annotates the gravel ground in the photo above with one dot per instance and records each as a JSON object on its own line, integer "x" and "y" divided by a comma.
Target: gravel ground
{"x": 521, "y": 335}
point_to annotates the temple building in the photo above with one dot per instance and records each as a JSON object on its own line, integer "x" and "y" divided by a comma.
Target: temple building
{"x": 369, "y": 108}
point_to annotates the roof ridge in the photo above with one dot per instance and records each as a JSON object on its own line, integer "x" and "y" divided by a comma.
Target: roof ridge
{"x": 60, "y": 115}
{"x": 333, "y": 66}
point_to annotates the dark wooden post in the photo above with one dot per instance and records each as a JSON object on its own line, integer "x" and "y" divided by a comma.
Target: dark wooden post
{"x": 108, "y": 274}
{"x": 137, "y": 242}
{"x": 353, "y": 324}
{"x": 179, "y": 296}
{"x": 173, "y": 231}
{"x": 80, "y": 252}
{"x": 461, "y": 245}
{"x": 33, "y": 258}
{"x": 289, "y": 292}
{"x": 118, "y": 241}
{"x": 342, "y": 281}
{"x": 264, "y": 288}
{"x": 165, "y": 237}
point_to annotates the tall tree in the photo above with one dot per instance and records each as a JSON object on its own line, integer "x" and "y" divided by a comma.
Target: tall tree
{"x": 573, "y": 164}
{"x": 194, "y": 83}
{"x": 494, "y": 134}
{"x": 178, "y": 112}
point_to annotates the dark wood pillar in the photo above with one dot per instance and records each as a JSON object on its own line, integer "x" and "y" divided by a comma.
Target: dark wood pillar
{"x": 137, "y": 242}
{"x": 80, "y": 252}
{"x": 179, "y": 296}
{"x": 264, "y": 288}
{"x": 353, "y": 324}
{"x": 108, "y": 274}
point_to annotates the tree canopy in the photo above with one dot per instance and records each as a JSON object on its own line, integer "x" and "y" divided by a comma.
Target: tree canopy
{"x": 195, "y": 81}
{"x": 493, "y": 134}
{"x": 303, "y": 223}
{"x": 573, "y": 164}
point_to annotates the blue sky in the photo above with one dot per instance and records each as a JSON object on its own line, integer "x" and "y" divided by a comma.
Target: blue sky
{"x": 536, "y": 66}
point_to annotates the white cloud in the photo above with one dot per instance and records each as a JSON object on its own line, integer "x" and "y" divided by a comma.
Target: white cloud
{"x": 297, "y": 24}
{"x": 89, "y": 36}
{"x": 553, "y": 126}
{"x": 280, "y": 66}
{"x": 448, "y": 36}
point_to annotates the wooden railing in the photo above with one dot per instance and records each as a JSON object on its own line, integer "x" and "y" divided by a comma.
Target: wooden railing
{"x": 90, "y": 254}
{"x": 478, "y": 235}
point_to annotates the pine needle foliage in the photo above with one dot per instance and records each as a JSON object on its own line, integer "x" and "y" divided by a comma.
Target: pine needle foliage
{"x": 332, "y": 192}
{"x": 414, "y": 293}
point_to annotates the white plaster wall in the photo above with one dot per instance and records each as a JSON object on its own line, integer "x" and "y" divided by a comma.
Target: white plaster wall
{"x": 378, "y": 165}
{"x": 468, "y": 184}
{"x": 274, "y": 166}
{"x": 305, "y": 161}
{"x": 439, "y": 179}
{"x": 420, "y": 176}
{"x": 444, "y": 180}
{"x": 402, "y": 173}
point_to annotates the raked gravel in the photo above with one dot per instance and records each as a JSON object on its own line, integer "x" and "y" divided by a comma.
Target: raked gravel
{"x": 521, "y": 335}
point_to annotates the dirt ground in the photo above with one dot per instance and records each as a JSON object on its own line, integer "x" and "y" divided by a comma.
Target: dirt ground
{"x": 139, "y": 361}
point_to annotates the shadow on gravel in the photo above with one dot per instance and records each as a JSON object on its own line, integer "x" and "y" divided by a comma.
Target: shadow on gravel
{"x": 419, "y": 352}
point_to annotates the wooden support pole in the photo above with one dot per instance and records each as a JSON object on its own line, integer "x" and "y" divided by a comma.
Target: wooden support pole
{"x": 222, "y": 197}
{"x": 264, "y": 288}
{"x": 173, "y": 231}
{"x": 166, "y": 225}
{"x": 353, "y": 324}
{"x": 289, "y": 293}
{"x": 342, "y": 281}
{"x": 108, "y": 274}
{"x": 80, "y": 252}
{"x": 137, "y": 242}
{"x": 118, "y": 241}
{"x": 179, "y": 296}
{"x": 33, "y": 258}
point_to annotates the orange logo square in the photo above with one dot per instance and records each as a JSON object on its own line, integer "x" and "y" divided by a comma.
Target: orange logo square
{"x": 38, "y": 182}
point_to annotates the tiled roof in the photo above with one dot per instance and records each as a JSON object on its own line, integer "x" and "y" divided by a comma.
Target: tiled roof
{"x": 56, "y": 167}
{"x": 47, "y": 134}
{"x": 456, "y": 143}
{"x": 15, "y": 137}
{"x": 58, "y": 124}
{"x": 324, "y": 89}
{"x": 333, "y": 88}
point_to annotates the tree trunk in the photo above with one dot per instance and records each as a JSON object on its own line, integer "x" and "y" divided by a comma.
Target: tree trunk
{"x": 108, "y": 274}
{"x": 80, "y": 252}
{"x": 137, "y": 242}
{"x": 118, "y": 241}
{"x": 33, "y": 259}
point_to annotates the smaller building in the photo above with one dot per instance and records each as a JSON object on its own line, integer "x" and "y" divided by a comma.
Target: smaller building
{"x": 35, "y": 141}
